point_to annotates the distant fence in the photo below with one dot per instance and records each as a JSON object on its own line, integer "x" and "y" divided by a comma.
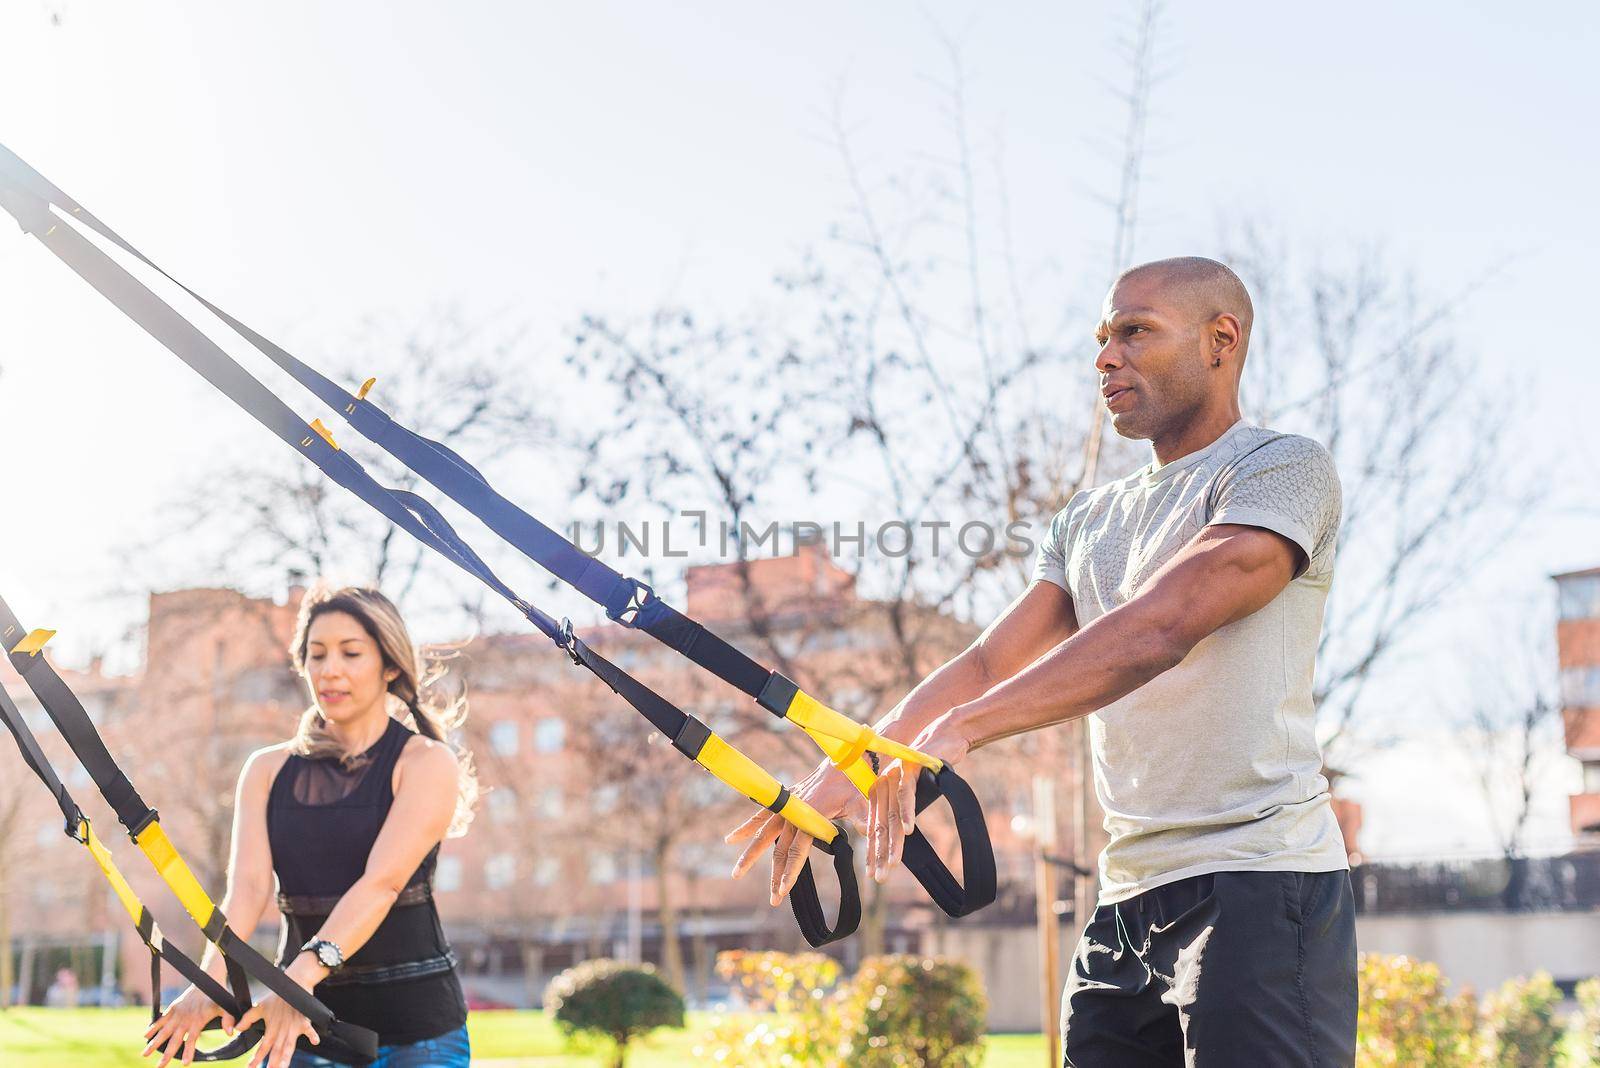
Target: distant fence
{"x": 1569, "y": 883}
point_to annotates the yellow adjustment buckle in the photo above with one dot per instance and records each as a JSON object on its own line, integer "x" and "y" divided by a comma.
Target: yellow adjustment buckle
{"x": 34, "y": 641}
{"x": 323, "y": 432}
{"x": 855, "y": 750}
{"x": 361, "y": 394}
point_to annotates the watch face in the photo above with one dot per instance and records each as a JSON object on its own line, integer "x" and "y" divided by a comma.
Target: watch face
{"x": 328, "y": 954}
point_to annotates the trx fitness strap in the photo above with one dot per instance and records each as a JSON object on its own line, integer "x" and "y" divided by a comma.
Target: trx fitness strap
{"x": 79, "y": 830}
{"x": 419, "y": 518}
{"x": 626, "y": 600}
{"x": 339, "y": 1040}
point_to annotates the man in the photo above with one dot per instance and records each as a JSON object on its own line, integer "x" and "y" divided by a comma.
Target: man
{"x": 1180, "y": 609}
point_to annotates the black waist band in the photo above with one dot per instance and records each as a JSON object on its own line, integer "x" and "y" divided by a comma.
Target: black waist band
{"x": 310, "y": 905}
{"x": 374, "y": 974}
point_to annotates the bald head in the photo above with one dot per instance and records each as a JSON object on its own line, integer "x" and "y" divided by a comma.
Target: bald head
{"x": 1172, "y": 339}
{"x": 1202, "y": 288}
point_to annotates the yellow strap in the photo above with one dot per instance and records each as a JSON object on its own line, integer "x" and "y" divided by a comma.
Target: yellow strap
{"x": 108, "y": 867}
{"x": 323, "y": 432}
{"x": 176, "y": 874}
{"x": 853, "y": 752}
{"x": 33, "y": 642}
{"x": 750, "y": 779}
{"x": 861, "y": 774}
{"x": 818, "y": 719}
{"x": 360, "y": 395}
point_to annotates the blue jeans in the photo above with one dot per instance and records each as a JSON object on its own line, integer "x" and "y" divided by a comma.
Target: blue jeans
{"x": 446, "y": 1051}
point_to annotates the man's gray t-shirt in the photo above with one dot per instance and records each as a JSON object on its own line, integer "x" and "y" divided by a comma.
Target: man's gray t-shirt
{"x": 1212, "y": 765}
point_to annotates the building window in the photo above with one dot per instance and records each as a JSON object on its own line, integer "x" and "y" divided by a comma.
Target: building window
{"x": 605, "y": 799}
{"x": 500, "y": 871}
{"x": 550, "y": 803}
{"x": 1580, "y": 686}
{"x": 502, "y": 804}
{"x": 549, "y": 734}
{"x": 703, "y": 791}
{"x": 602, "y": 869}
{"x": 547, "y": 871}
{"x": 447, "y": 876}
{"x": 1579, "y": 597}
{"x": 503, "y": 737}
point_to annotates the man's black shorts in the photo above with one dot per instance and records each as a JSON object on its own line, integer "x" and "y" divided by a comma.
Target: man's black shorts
{"x": 1218, "y": 971}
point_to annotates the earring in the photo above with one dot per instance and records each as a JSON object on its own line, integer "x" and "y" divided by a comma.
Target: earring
{"x": 1217, "y": 362}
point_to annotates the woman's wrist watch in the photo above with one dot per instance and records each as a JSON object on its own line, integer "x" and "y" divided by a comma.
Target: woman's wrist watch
{"x": 328, "y": 954}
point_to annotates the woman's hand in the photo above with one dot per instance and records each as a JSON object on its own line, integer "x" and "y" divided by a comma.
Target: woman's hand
{"x": 284, "y": 1025}
{"x": 892, "y": 802}
{"x": 829, "y": 792}
{"x": 180, "y": 1026}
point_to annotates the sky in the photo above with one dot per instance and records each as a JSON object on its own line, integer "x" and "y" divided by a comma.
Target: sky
{"x": 313, "y": 167}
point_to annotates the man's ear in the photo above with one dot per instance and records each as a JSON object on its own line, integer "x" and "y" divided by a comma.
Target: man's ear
{"x": 1223, "y": 338}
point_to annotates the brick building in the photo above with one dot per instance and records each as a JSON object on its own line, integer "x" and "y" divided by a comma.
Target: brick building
{"x": 1578, "y": 652}
{"x": 593, "y": 837}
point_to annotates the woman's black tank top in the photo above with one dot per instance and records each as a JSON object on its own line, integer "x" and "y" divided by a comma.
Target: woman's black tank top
{"x": 323, "y": 817}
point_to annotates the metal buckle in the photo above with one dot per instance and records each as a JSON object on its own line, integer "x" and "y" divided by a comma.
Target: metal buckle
{"x": 144, "y": 824}
{"x": 568, "y": 641}
{"x": 641, "y": 594}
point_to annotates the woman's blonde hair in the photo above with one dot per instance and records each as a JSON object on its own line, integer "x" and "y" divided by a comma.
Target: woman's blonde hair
{"x": 432, "y": 716}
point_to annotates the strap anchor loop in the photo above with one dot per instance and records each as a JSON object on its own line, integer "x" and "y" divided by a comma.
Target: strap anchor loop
{"x": 569, "y": 641}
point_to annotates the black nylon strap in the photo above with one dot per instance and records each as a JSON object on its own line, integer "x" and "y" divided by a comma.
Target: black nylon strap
{"x": 235, "y": 1003}
{"x": 243, "y": 962}
{"x": 34, "y": 757}
{"x": 956, "y": 897}
{"x": 806, "y": 905}
{"x": 74, "y": 723}
{"x": 28, "y": 196}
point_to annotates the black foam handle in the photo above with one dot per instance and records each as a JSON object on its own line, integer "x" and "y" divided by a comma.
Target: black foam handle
{"x": 977, "y": 853}
{"x": 242, "y": 1043}
{"x": 807, "y": 905}
{"x": 342, "y": 1042}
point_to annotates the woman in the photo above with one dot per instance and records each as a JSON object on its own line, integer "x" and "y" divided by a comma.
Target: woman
{"x": 348, "y": 815}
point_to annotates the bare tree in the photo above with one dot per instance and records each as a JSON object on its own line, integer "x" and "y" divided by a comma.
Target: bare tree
{"x": 16, "y": 829}
{"x": 1351, "y": 354}
{"x": 444, "y": 378}
{"x": 1511, "y": 734}
{"x": 929, "y": 392}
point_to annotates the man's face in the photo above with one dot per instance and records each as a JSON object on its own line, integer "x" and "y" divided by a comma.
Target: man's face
{"x": 1152, "y": 359}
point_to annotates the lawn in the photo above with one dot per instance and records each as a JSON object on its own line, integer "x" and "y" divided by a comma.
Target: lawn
{"x": 109, "y": 1038}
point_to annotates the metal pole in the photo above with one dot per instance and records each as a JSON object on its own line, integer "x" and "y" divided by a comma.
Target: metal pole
{"x": 1044, "y": 840}
{"x": 635, "y": 908}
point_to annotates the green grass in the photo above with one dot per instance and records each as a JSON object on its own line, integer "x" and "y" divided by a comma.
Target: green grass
{"x": 109, "y": 1038}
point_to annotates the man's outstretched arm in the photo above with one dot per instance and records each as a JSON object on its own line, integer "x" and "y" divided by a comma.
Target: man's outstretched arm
{"x": 1224, "y": 574}
{"x": 1036, "y": 622}
{"x": 1039, "y": 620}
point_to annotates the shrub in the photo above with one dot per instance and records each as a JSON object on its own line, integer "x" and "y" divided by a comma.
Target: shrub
{"x": 1588, "y": 995}
{"x": 616, "y": 1001}
{"x": 913, "y": 1011}
{"x": 796, "y": 992}
{"x": 1407, "y": 1018}
{"x": 1520, "y": 1025}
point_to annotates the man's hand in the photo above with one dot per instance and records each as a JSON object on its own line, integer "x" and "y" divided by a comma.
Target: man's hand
{"x": 829, "y": 792}
{"x": 892, "y": 803}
